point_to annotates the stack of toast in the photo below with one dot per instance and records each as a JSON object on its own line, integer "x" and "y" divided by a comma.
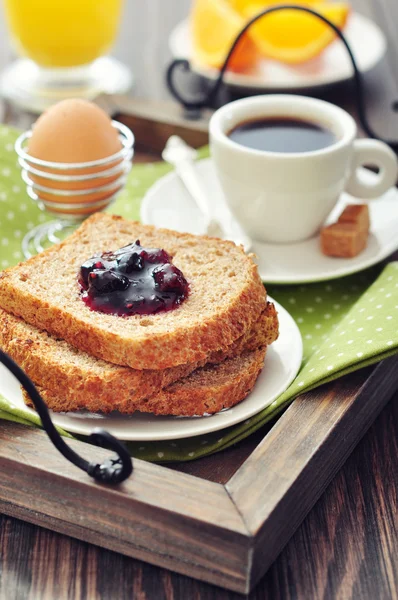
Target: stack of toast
{"x": 201, "y": 357}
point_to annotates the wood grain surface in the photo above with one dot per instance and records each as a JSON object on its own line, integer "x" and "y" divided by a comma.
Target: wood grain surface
{"x": 345, "y": 549}
{"x": 167, "y": 518}
{"x": 327, "y": 419}
{"x": 347, "y": 546}
{"x": 226, "y": 535}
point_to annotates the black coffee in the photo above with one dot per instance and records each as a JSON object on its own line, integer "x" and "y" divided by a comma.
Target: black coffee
{"x": 282, "y": 134}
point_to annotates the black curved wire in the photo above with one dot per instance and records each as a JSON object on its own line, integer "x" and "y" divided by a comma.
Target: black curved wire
{"x": 114, "y": 470}
{"x": 208, "y": 98}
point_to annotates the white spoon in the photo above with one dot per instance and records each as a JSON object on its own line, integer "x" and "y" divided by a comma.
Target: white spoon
{"x": 182, "y": 157}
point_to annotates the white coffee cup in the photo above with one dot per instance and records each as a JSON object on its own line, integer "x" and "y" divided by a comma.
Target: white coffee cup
{"x": 286, "y": 197}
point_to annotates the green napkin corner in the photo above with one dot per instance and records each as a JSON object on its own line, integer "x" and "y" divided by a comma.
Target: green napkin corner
{"x": 345, "y": 324}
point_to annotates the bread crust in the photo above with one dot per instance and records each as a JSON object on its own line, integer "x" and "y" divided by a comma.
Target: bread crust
{"x": 223, "y": 304}
{"x": 75, "y": 376}
{"x": 206, "y": 391}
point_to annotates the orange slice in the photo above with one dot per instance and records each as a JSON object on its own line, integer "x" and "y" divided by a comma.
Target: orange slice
{"x": 214, "y": 26}
{"x": 241, "y": 6}
{"x": 292, "y": 36}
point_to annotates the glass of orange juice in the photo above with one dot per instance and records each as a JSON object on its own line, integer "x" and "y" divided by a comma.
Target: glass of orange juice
{"x": 63, "y": 46}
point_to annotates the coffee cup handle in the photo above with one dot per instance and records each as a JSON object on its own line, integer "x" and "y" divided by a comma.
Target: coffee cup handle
{"x": 372, "y": 153}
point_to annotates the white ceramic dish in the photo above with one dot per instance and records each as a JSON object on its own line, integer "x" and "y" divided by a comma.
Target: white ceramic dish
{"x": 365, "y": 38}
{"x": 281, "y": 365}
{"x": 167, "y": 204}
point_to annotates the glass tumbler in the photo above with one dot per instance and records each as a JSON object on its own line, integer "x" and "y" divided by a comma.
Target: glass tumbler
{"x": 63, "y": 46}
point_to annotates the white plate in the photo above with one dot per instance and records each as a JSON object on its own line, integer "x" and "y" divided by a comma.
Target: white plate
{"x": 367, "y": 41}
{"x": 167, "y": 204}
{"x": 281, "y": 365}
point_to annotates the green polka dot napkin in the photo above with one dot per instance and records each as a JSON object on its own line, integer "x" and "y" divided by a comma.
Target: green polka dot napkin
{"x": 346, "y": 324}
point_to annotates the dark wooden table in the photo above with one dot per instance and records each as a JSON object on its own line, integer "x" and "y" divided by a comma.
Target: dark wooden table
{"x": 348, "y": 545}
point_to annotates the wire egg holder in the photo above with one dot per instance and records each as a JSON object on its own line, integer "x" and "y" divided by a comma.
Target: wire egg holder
{"x": 70, "y": 213}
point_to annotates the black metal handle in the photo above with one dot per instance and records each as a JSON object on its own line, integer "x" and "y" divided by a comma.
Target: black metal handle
{"x": 114, "y": 470}
{"x": 207, "y": 99}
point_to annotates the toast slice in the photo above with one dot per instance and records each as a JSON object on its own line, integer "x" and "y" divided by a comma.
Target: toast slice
{"x": 226, "y": 296}
{"x": 206, "y": 391}
{"x": 76, "y": 376}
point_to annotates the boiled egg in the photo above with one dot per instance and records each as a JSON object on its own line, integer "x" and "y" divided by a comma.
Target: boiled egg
{"x": 75, "y": 131}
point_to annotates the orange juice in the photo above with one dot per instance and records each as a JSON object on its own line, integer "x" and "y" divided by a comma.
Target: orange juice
{"x": 63, "y": 33}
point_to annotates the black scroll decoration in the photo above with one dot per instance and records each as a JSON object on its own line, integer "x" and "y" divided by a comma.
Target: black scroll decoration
{"x": 114, "y": 470}
{"x": 208, "y": 98}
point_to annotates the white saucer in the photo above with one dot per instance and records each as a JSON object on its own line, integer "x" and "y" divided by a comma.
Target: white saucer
{"x": 281, "y": 366}
{"x": 367, "y": 41}
{"x": 167, "y": 204}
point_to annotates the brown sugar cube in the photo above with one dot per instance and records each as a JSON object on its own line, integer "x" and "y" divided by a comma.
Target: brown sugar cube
{"x": 356, "y": 214}
{"x": 343, "y": 240}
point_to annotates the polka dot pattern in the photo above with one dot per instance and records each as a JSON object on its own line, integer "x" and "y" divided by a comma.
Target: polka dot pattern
{"x": 345, "y": 324}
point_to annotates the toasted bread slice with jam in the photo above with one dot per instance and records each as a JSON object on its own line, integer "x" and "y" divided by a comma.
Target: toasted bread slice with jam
{"x": 226, "y": 296}
{"x": 76, "y": 376}
{"x": 205, "y": 391}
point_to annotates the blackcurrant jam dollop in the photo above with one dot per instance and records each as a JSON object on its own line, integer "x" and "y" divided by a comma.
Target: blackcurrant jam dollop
{"x": 133, "y": 280}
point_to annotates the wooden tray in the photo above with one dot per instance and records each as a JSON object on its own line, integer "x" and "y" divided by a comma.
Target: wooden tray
{"x": 226, "y": 532}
